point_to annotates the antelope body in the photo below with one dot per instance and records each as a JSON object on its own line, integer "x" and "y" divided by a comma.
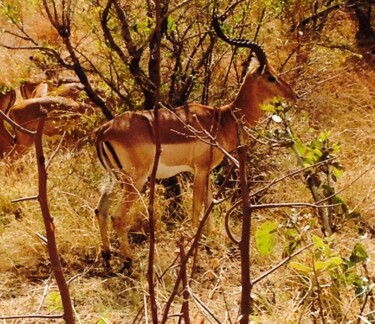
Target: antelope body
{"x": 61, "y": 112}
{"x": 60, "y": 103}
{"x": 126, "y": 146}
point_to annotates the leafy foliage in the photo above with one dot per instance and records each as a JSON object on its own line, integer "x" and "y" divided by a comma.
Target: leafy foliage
{"x": 265, "y": 237}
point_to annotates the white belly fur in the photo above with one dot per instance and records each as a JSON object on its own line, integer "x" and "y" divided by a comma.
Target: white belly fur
{"x": 165, "y": 171}
{"x": 175, "y": 158}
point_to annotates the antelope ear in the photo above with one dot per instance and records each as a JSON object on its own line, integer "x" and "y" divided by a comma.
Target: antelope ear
{"x": 262, "y": 69}
{"x": 254, "y": 63}
{"x": 255, "y": 66}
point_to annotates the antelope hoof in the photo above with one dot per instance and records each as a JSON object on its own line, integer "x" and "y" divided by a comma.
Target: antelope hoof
{"x": 106, "y": 255}
{"x": 127, "y": 267}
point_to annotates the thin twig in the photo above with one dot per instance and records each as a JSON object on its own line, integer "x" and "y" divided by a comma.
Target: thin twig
{"x": 192, "y": 248}
{"x": 185, "y": 293}
{"x": 346, "y": 187}
{"x": 41, "y": 237}
{"x": 55, "y": 151}
{"x": 31, "y": 316}
{"x": 366, "y": 299}
{"x": 45, "y": 291}
{"x": 204, "y": 136}
{"x": 202, "y": 306}
{"x": 319, "y": 291}
{"x": 292, "y": 205}
{"x": 17, "y": 126}
{"x": 267, "y": 206}
{"x": 280, "y": 264}
{"x": 291, "y": 174}
{"x": 145, "y": 300}
{"x": 24, "y": 199}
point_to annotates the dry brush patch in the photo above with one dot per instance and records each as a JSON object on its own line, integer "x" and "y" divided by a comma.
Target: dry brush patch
{"x": 338, "y": 97}
{"x": 74, "y": 177}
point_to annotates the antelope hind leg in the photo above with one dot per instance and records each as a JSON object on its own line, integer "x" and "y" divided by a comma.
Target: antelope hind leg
{"x": 102, "y": 211}
{"x": 122, "y": 221}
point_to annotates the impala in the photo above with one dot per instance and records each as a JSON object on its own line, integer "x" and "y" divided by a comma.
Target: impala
{"x": 126, "y": 144}
{"x": 7, "y": 99}
{"x": 61, "y": 112}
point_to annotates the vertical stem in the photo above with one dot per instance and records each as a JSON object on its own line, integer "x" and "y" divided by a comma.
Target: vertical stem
{"x": 49, "y": 226}
{"x": 151, "y": 209}
{"x": 327, "y": 230}
{"x": 319, "y": 291}
{"x": 185, "y": 293}
{"x": 245, "y": 240}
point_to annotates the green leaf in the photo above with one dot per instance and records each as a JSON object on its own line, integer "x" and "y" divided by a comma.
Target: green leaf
{"x": 323, "y": 136}
{"x": 171, "y": 24}
{"x": 330, "y": 263}
{"x": 293, "y": 238}
{"x": 300, "y": 267}
{"x": 359, "y": 254}
{"x": 336, "y": 173}
{"x": 268, "y": 107}
{"x": 300, "y": 147}
{"x": 265, "y": 237}
{"x": 318, "y": 242}
{"x": 320, "y": 245}
{"x": 54, "y": 301}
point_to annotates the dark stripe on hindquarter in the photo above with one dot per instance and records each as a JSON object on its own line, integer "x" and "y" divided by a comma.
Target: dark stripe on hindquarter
{"x": 99, "y": 151}
{"x": 114, "y": 155}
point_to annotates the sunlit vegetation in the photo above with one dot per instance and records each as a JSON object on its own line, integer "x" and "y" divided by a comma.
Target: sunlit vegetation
{"x": 327, "y": 60}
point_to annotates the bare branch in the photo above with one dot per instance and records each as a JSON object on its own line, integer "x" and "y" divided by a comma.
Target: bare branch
{"x": 347, "y": 186}
{"x": 17, "y": 126}
{"x": 55, "y": 151}
{"x": 49, "y": 225}
{"x": 203, "y": 307}
{"x": 24, "y": 199}
{"x": 31, "y": 316}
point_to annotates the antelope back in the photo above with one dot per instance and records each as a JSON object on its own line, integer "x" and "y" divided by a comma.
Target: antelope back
{"x": 57, "y": 108}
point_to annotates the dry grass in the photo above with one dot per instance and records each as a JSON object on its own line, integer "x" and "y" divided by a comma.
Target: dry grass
{"x": 73, "y": 180}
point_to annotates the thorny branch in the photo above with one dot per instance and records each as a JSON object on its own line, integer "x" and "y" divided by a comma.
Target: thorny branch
{"x": 49, "y": 226}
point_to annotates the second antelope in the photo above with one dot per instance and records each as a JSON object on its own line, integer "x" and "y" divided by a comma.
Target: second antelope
{"x": 126, "y": 146}
{"x": 63, "y": 114}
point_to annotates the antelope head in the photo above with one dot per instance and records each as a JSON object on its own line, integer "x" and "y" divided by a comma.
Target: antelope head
{"x": 261, "y": 82}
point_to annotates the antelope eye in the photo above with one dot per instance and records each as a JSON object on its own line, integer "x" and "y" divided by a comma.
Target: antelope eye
{"x": 271, "y": 78}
